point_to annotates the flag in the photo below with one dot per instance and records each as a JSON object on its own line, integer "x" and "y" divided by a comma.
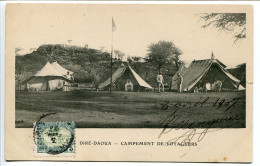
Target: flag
{"x": 113, "y": 25}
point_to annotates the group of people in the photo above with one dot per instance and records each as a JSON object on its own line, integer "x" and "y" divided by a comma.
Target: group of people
{"x": 201, "y": 87}
{"x": 129, "y": 86}
{"x": 160, "y": 82}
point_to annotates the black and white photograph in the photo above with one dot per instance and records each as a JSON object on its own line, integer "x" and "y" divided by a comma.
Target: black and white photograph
{"x": 131, "y": 67}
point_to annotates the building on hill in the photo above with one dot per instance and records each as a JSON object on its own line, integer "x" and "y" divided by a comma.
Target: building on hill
{"x": 121, "y": 75}
{"x": 202, "y": 72}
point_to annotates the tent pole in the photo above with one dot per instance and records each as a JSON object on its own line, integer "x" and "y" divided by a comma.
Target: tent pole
{"x": 110, "y": 90}
{"x": 47, "y": 84}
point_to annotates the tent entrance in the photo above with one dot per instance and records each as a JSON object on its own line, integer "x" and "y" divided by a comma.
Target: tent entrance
{"x": 119, "y": 84}
{"x": 213, "y": 74}
{"x": 120, "y": 77}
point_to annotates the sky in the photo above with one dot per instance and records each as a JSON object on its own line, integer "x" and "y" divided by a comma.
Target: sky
{"x": 137, "y": 27}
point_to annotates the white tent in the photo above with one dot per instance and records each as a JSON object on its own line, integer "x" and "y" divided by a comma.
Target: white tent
{"x": 205, "y": 71}
{"x": 48, "y": 78}
{"x": 61, "y": 69}
{"x": 120, "y": 72}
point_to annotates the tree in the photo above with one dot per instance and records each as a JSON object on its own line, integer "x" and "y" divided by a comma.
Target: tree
{"x": 18, "y": 66}
{"x": 230, "y": 22}
{"x": 163, "y": 52}
{"x": 136, "y": 58}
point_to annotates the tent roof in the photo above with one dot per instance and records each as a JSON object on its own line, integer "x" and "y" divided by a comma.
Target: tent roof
{"x": 48, "y": 70}
{"x": 140, "y": 81}
{"x": 196, "y": 71}
{"x": 119, "y": 72}
{"x": 222, "y": 64}
{"x": 61, "y": 69}
{"x": 115, "y": 76}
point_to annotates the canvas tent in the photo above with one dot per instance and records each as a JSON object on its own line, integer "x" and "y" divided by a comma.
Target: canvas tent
{"x": 201, "y": 72}
{"x": 48, "y": 78}
{"x": 120, "y": 76}
{"x": 61, "y": 69}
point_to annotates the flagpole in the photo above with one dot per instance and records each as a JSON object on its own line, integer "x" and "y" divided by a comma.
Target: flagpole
{"x": 110, "y": 90}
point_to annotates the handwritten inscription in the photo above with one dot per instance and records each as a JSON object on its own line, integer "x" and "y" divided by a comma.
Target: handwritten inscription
{"x": 196, "y": 129}
{"x": 228, "y": 104}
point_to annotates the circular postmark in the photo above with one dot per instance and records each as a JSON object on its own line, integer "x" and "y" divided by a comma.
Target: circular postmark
{"x": 55, "y": 137}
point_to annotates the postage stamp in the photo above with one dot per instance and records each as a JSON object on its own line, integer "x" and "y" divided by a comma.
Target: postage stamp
{"x": 54, "y": 138}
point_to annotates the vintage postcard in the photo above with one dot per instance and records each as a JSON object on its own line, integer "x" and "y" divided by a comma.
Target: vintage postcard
{"x": 129, "y": 82}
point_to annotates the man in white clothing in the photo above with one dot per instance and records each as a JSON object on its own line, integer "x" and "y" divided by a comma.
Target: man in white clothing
{"x": 160, "y": 81}
{"x": 129, "y": 86}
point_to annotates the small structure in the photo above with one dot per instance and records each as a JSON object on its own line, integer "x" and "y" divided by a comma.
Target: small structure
{"x": 120, "y": 76}
{"x": 203, "y": 73}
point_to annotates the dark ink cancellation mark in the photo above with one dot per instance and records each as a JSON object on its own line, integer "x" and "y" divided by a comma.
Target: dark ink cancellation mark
{"x": 54, "y": 137}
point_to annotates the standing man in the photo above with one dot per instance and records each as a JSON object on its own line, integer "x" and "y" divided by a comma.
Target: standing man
{"x": 96, "y": 81}
{"x": 179, "y": 83}
{"x": 160, "y": 81}
{"x": 65, "y": 83}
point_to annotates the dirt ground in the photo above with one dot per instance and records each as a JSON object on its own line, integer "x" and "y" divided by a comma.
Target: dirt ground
{"x": 89, "y": 109}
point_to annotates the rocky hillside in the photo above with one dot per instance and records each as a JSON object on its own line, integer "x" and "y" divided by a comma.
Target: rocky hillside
{"x": 84, "y": 62}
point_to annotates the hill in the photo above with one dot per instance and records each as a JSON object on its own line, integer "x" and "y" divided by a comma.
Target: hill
{"x": 84, "y": 62}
